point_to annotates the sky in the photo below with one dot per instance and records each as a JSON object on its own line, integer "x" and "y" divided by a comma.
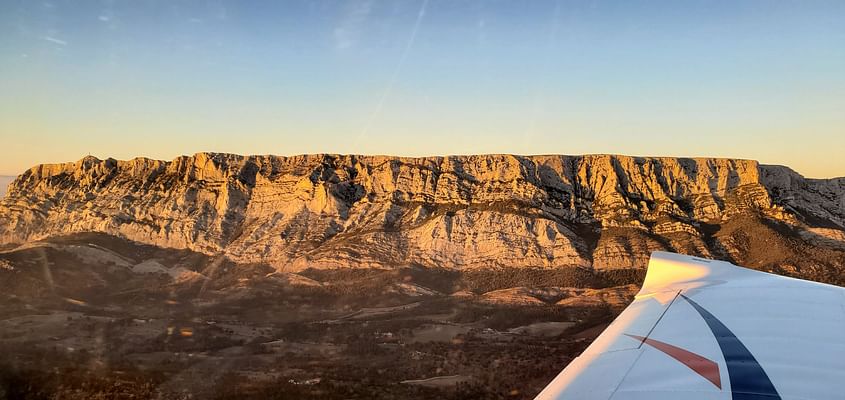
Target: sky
{"x": 760, "y": 80}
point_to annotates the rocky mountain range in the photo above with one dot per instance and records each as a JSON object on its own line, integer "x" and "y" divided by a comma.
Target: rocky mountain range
{"x": 603, "y": 212}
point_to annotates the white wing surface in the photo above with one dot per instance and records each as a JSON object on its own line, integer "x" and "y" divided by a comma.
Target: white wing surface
{"x": 705, "y": 329}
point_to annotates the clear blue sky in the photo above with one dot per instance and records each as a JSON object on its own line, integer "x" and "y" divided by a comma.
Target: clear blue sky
{"x": 750, "y": 79}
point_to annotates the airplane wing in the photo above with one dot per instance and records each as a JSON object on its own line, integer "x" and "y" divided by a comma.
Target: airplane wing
{"x": 706, "y": 329}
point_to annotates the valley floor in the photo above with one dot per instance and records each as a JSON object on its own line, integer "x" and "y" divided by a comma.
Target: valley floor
{"x": 93, "y": 317}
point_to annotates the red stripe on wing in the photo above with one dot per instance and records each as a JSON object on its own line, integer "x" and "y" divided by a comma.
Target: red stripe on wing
{"x": 702, "y": 366}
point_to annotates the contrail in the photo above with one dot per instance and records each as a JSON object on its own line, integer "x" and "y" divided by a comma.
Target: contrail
{"x": 56, "y": 41}
{"x": 386, "y": 93}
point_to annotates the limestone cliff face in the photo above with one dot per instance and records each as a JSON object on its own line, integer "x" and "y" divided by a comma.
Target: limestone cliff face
{"x": 328, "y": 211}
{"x": 821, "y": 201}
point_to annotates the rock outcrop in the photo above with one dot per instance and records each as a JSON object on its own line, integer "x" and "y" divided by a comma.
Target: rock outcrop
{"x": 332, "y": 211}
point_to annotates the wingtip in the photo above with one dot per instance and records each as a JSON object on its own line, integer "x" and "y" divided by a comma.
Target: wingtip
{"x": 672, "y": 271}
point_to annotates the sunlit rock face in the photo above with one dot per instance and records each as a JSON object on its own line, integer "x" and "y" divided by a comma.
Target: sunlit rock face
{"x": 330, "y": 211}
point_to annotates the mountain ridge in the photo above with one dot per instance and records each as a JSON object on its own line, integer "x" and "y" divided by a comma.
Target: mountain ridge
{"x": 499, "y": 210}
